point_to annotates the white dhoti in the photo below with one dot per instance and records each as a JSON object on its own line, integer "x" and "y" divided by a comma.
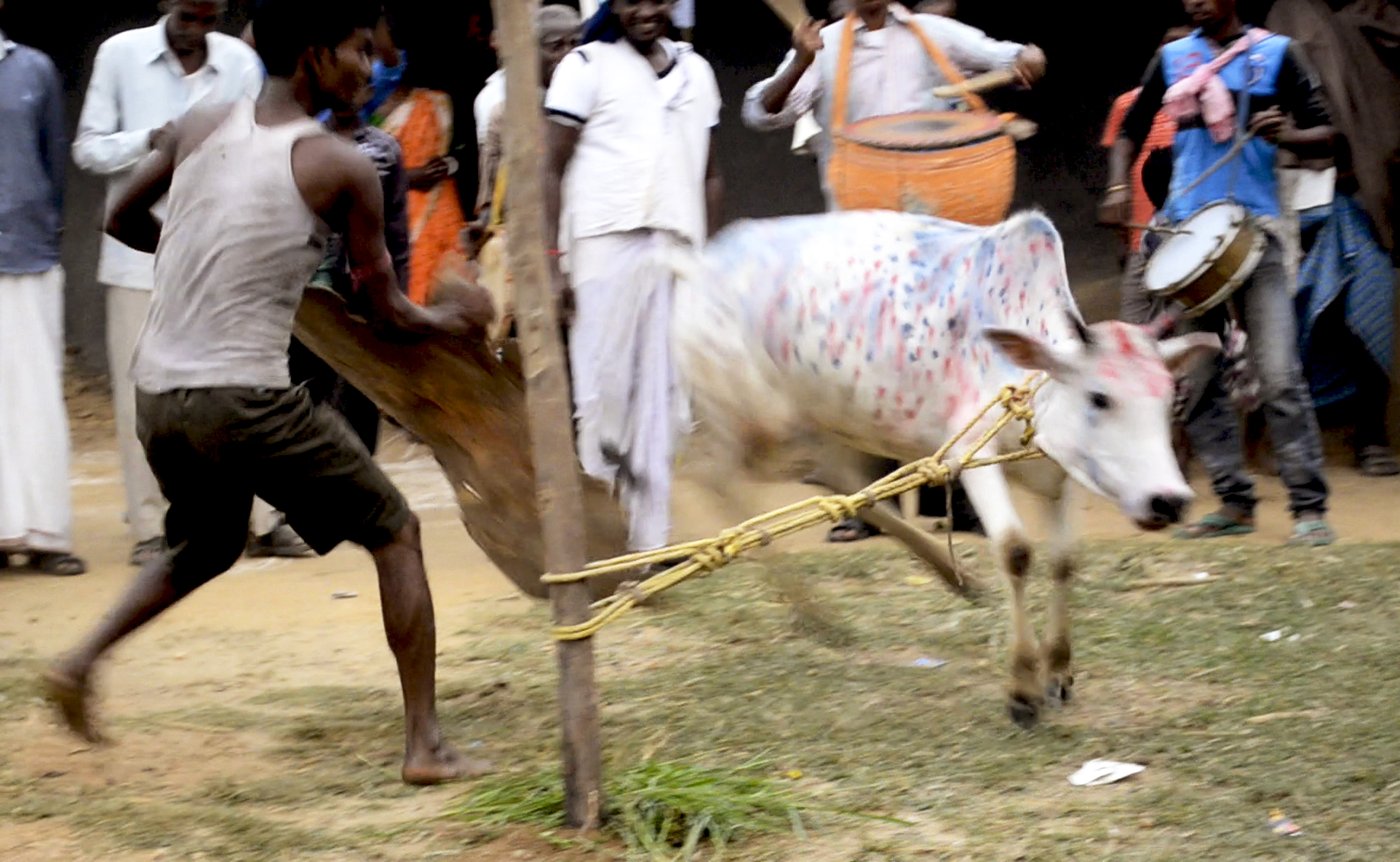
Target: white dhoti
{"x": 36, "y": 507}
{"x": 629, "y": 407}
{"x": 145, "y": 506}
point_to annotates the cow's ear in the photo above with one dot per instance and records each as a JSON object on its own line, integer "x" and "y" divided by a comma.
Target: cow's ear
{"x": 1185, "y": 352}
{"x": 1026, "y": 351}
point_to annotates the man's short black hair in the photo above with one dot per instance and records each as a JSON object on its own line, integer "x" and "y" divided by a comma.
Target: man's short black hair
{"x": 285, "y": 29}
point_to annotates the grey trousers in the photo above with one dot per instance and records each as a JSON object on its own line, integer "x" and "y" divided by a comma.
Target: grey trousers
{"x": 1265, "y": 306}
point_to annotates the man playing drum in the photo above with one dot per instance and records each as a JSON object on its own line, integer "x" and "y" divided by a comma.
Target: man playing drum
{"x": 1285, "y": 109}
{"x": 891, "y": 71}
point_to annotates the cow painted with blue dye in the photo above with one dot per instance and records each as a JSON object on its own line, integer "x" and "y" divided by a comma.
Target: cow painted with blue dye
{"x": 886, "y": 333}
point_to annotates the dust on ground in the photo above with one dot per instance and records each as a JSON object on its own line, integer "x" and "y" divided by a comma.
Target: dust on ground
{"x": 259, "y": 719}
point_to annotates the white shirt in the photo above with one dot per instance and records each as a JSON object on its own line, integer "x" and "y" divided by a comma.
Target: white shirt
{"x": 644, "y": 142}
{"x": 891, "y": 73}
{"x": 1312, "y": 188}
{"x": 139, "y": 85}
{"x": 492, "y": 94}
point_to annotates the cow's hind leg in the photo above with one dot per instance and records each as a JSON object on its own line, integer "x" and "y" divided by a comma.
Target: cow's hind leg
{"x": 1059, "y": 677}
{"x": 991, "y": 496}
{"x": 848, "y": 472}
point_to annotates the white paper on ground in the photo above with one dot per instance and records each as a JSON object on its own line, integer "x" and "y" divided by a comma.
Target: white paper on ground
{"x": 1097, "y": 772}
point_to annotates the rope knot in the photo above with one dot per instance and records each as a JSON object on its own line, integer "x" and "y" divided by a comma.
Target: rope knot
{"x": 713, "y": 558}
{"x": 631, "y": 590}
{"x": 933, "y": 472}
{"x": 838, "y": 509}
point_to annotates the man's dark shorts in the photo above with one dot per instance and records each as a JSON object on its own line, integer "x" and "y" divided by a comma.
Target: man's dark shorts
{"x": 213, "y": 450}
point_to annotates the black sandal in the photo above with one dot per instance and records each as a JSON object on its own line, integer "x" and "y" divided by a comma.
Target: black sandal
{"x": 852, "y": 530}
{"x": 59, "y": 564}
{"x": 1377, "y": 461}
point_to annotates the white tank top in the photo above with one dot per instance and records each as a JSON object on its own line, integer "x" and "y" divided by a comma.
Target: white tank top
{"x": 238, "y": 247}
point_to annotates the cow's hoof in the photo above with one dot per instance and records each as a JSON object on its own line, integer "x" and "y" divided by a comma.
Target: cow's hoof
{"x": 1025, "y": 713}
{"x": 1060, "y": 691}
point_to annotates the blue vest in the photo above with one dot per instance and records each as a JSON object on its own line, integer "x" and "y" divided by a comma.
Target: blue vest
{"x": 1249, "y": 179}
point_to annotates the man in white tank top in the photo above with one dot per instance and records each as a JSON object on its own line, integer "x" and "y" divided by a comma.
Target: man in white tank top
{"x": 253, "y": 191}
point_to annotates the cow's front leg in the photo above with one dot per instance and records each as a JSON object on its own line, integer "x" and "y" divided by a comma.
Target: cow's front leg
{"x": 846, "y": 472}
{"x": 1059, "y": 677}
{"x": 990, "y": 495}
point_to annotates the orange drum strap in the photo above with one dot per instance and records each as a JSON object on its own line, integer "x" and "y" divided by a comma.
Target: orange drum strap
{"x": 950, "y": 71}
{"x": 843, "y": 76}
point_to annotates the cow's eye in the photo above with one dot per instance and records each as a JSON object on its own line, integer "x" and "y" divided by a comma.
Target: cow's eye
{"x": 1100, "y": 401}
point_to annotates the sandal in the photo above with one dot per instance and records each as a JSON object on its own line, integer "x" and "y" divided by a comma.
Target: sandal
{"x": 852, "y": 530}
{"x": 148, "y": 551}
{"x": 1377, "y": 461}
{"x": 59, "y": 564}
{"x": 1311, "y": 532}
{"x": 1218, "y": 525}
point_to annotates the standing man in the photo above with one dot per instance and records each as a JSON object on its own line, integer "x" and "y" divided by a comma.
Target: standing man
{"x": 1286, "y": 110}
{"x": 632, "y": 168}
{"x": 36, "y": 513}
{"x": 142, "y": 81}
{"x": 252, "y": 190}
{"x": 558, "y": 29}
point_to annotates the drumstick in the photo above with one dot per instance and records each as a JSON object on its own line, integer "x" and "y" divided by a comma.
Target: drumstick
{"x": 976, "y": 84}
{"x": 1021, "y": 129}
{"x": 1170, "y": 231}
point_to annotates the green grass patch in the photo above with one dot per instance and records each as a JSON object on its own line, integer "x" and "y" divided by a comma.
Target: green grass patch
{"x": 660, "y": 810}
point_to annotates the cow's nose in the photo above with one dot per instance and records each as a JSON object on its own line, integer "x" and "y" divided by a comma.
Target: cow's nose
{"x": 1167, "y": 508}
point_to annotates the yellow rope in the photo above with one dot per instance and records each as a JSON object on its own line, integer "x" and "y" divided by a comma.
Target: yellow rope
{"x": 708, "y": 555}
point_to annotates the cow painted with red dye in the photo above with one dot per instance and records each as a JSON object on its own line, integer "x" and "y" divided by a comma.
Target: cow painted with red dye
{"x": 886, "y": 333}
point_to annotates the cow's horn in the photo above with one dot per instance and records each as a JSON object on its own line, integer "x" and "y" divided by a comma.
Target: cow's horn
{"x": 1162, "y": 326}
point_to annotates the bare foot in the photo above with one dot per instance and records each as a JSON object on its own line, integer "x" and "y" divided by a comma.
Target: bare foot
{"x": 69, "y": 695}
{"x": 441, "y": 764}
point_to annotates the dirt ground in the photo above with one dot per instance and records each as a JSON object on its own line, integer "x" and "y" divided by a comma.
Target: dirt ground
{"x": 274, "y": 625}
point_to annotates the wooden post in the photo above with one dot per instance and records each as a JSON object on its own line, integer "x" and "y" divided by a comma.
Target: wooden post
{"x": 550, "y": 406}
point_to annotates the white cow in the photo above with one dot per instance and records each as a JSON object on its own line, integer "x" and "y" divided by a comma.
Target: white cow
{"x": 887, "y": 332}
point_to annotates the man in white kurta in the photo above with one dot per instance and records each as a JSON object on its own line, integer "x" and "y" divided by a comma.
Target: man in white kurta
{"x": 631, "y": 161}
{"x": 35, "y": 503}
{"x": 142, "y": 81}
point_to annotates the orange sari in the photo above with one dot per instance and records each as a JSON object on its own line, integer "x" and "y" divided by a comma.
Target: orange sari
{"x": 423, "y": 127}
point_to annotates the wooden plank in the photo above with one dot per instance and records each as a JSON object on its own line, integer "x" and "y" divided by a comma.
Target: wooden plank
{"x": 469, "y": 407}
{"x": 551, "y": 408}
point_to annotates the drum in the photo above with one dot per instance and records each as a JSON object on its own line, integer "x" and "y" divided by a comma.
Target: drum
{"x": 1206, "y": 258}
{"x": 958, "y": 165}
